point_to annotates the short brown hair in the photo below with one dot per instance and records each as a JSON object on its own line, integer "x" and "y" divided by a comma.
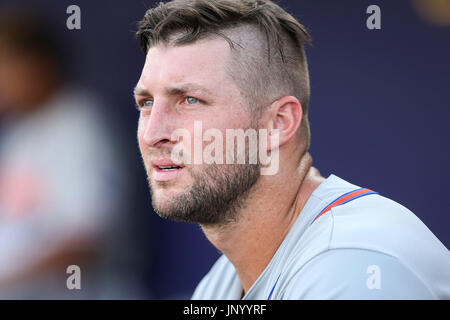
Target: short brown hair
{"x": 256, "y": 27}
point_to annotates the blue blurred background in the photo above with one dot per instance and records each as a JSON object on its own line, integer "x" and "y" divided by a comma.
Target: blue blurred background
{"x": 379, "y": 114}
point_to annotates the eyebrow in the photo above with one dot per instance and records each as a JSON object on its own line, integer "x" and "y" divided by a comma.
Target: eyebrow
{"x": 139, "y": 91}
{"x": 175, "y": 90}
{"x": 188, "y": 87}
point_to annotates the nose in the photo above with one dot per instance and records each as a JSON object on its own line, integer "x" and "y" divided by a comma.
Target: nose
{"x": 155, "y": 129}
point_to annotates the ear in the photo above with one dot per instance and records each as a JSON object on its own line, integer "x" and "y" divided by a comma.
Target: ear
{"x": 285, "y": 117}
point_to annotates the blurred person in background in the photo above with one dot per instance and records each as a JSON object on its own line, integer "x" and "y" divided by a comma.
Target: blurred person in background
{"x": 61, "y": 190}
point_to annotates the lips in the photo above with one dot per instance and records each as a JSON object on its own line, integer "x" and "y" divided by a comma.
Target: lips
{"x": 165, "y": 169}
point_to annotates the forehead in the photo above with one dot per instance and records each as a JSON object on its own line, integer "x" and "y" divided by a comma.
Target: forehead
{"x": 203, "y": 62}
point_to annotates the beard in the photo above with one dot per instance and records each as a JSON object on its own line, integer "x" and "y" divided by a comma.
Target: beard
{"x": 216, "y": 197}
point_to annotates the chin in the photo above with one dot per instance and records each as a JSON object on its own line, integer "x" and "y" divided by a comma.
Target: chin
{"x": 164, "y": 195}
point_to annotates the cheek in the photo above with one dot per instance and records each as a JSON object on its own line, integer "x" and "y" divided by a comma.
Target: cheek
{"x": 140, "y": 136}
{"x": 233, "y": 116}
{"x": 141, "y": 126}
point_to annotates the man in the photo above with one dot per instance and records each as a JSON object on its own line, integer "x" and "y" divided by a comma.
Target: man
{"x": 293, "y": 234}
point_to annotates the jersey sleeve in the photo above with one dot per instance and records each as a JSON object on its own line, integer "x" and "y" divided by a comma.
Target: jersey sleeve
{"x": 355, "y": 274}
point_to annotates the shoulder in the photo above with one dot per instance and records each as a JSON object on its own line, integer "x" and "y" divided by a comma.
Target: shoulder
{"x": 371, "y": 234}
{"x": 355, "y": 274}
{"x": 381, "y": 224}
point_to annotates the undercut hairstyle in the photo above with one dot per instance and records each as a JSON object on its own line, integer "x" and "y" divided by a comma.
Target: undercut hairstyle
{"x": 268, "y": 59}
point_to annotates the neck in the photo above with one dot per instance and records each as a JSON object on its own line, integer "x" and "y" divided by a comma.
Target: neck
{"x": 263, "y": 223}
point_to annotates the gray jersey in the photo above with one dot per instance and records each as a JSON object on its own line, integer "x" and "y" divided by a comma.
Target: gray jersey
{"x": 368, "y": 248}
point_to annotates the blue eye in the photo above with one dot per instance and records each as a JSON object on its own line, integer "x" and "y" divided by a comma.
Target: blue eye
{"x": 192, "y": 100}
{"x": 147, "y": 103}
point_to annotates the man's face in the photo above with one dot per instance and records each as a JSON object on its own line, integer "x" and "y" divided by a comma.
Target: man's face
{"x": 180, "y": 85}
